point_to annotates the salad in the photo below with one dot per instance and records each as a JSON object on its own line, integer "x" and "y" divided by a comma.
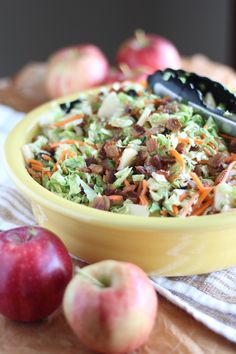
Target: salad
{"x": 126, "y": 150}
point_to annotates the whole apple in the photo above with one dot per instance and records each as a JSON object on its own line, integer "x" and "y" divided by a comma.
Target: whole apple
{"x": 111, "y": 306}
{"x": 74, "y": 69}
{"x": 148, "y": 50}
{"x": 35, "y": 268}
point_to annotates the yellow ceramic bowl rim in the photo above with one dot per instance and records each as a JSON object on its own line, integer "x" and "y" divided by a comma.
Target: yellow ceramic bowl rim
{"x": 34, "y": 191}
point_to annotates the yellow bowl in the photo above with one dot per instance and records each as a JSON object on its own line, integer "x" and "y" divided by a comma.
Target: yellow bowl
{"x": 164, "y": 246}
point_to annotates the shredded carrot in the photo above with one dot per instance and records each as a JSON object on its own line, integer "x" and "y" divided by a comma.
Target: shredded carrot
{"x": 212, "y": 146}
{"x": 225, "y": 174}
{"x": 197, "y": 181}
{"x": 143, "y": 200}
{"x": 61, "y": 123}
{"x": 36, "y": 167}
{"x": 126, "y": 183}
{"x": 46, "y": 157}
{"x": 35, "y": 162}
{"x": 45, "y": 172}
{"x": 55, "y": 167}
{"x": 183, "y": 196}
{"x": 178, "y": 157}
{"x": 203, "y": 197}
{"x": 187, "y": 140}
{"x": 67, "y": 153}
{"x": 203, "y": 208}
{"x": 230, "y": 158}
{"x": 175, "y": 210}
{"x": 188, "y": 206}
{"x": 144, "y": 187}
{"x": 70, "y": 141}
{"x": 115, "y": 197}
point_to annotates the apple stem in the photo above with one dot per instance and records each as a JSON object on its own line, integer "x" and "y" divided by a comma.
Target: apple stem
{"x": 88, "y": 276}
{"x": 125, "y": 69}
{"x": 141, "y": 37}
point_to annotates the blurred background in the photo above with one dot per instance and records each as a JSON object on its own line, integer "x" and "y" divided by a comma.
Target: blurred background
{"x": 32, "y": 30}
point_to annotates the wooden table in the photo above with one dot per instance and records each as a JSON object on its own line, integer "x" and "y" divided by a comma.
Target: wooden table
{"x": 175, "y": 331}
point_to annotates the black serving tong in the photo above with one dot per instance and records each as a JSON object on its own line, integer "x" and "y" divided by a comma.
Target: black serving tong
{"x": 208, "y": 97}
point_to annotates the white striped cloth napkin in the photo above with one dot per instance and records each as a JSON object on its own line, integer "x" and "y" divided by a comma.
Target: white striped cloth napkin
{"x": 210, "y": 298}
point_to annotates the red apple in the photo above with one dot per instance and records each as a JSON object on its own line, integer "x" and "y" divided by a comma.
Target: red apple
{"x": 148, "y": 50}
{"x": 74, "y": 69}
{"x": 124, "y": 73}
{"x": 35, "y": 268}
{"x": 111, "y": 306}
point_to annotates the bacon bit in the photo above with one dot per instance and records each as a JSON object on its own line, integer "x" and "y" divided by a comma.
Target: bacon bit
{"x": 216, "y": 160}
{"x": 173, "y": 124}
{"x": 71, "y": 141}
{"x": 109, "y": 176}
{"x": 157, "y": 162}
{"x": 203, "y": 208}
{"x": 183, "y": 196}
{"x": 180, "y": 148}
{"x": 111, "y": 150}
{"x": 223, "y": 176}
{"x": 179, "y": 158}
{"x": 101, "y": 203}
{"x": 96, "y": 168}
{"x": 137, "y": 130}
{"x": 61, "y": 123}
{"x": 198, "y": 170}
{"x": 164, "y": 212}
{"x": 197, "y": 181}
{"x": 188, "y": 206}
{"x": 175, "y": 210}
{"x": 151, "y": 145}
{"x": 230, "y": 158}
